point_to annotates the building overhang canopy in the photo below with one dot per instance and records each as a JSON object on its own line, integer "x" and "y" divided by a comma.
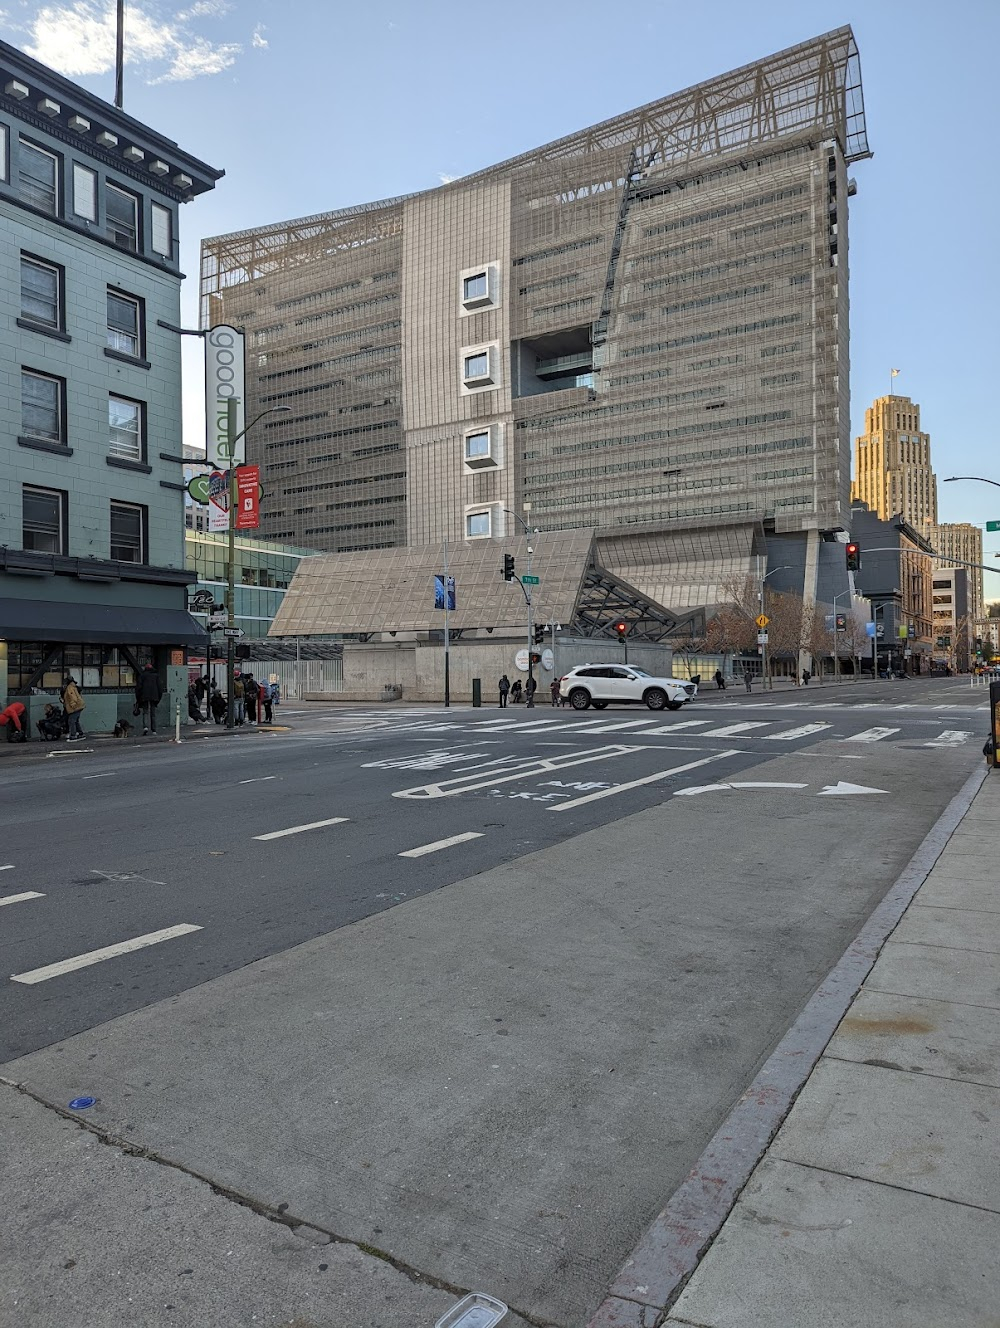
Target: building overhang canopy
{"x": 100, "y": 624}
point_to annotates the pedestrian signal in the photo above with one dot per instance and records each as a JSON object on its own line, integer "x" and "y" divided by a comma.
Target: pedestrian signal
{"x": 536, "y": 657}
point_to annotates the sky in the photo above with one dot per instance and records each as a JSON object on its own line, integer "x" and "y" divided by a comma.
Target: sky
{"x": 312, "y": 105}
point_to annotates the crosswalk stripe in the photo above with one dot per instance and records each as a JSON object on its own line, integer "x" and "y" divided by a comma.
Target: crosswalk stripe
{"x": 18, "y": 899}
{"x": 949, "y": 738}
{"x": 871, "y": 735}
{"x": 731, "y": 730}
{"x": 627, "y": 724}
{"x": 107, "y": 952}
{"x": 684, "y": 724}
{"x": 802, "y": 732}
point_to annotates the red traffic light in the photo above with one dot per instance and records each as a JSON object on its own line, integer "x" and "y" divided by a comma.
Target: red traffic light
{"x": 853, "y": 552}
{"x": 621, "y": 628}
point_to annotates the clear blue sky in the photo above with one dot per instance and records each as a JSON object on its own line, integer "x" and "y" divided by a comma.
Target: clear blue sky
{"x": 312, "y": 105}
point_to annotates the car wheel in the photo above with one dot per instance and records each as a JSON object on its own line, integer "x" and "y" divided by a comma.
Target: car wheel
{"x": 579, "y": 699}
{"x": 656, "y": 698}
{"x": 599, "y": 705}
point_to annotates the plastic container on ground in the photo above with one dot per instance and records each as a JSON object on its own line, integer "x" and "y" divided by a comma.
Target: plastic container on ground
{"x": 476, "y": 1310}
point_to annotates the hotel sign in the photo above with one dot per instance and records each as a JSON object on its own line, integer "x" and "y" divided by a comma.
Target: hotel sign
{"x": 225, "y": 368}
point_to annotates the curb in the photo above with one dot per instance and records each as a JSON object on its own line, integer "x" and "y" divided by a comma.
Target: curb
{"x": 672, "y": 1246}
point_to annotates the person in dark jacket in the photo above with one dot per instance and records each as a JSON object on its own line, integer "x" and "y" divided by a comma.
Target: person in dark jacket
{"x": 148, "y": 695}
{"x": 218, "y": 704}
{"x": 251, "y": 691}
{"x": 52, "y": 724}
{"x": 720, "y": 682}
{"x": 504, "y": 689}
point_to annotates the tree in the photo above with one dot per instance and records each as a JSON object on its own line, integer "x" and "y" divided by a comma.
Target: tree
{"x": 855, "y": 636}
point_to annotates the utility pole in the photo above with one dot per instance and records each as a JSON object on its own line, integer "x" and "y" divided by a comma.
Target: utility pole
{"x": 531, "y": 632}
{"x": 231, "y": 566}
{"x": 447, "y": 635}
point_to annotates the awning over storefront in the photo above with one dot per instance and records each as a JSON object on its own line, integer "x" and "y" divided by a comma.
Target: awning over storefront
{"x": 98, "y": 624}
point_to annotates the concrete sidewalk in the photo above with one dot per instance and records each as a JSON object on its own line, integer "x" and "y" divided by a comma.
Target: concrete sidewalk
{"x": 878, "y": 1201}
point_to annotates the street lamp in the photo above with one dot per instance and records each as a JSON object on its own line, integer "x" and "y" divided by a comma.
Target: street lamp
{"x": 526, "y": 591}
{"x": 978, "y": 478}
{"x": 763, "y": 649}
{"x": 232, "y": 439}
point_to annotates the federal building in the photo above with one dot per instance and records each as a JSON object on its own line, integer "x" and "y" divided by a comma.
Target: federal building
{"x": 638, "y": 331}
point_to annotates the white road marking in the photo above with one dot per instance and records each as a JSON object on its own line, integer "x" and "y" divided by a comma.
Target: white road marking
{"x": 712, "y": 788}
{"x": 298, "y": 829}
{"x": 532, "y": 766}
{"x": 871, "y": 735}
{"x": 619, "y": 724}
{"x": 108, "y": 952}
{"x": 841, "y": 787}
{"x": 8, "y": 867}
{"x": 106, "y": 775}
{"x": 731, "y": 730}
{"x": 802, "y": 732}
{"x": 440, "y": 843}
{"x": 637, "y": 783}
{"x": 949, "y": 738}
{"x": 684, "y": 724}
{"x": 18, "y": 899}
{"x": 259, "y": 780}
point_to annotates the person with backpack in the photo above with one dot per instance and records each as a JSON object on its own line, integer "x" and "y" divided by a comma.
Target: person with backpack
{"x": 74, "y": 705}
{"x": 148, "y": 695}
{"x": 504, "y": 689}
{"x": 251, "y": 691}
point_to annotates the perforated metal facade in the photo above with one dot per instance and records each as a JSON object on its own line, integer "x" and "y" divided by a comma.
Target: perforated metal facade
{"x": 641, "y": 328}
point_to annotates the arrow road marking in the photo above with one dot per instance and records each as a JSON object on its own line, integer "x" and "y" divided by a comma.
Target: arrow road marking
{"x": 841, "y": 787}
{"x": 949, "y": 738}
{"x": 537, "y": 766}
{"x": 637, "y": 783}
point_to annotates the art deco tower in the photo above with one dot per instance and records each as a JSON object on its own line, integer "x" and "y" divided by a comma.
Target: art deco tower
{"x": 892, "y": 463}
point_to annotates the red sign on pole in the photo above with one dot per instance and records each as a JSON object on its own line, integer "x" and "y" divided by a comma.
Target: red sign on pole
{"x": 247, "y": 497}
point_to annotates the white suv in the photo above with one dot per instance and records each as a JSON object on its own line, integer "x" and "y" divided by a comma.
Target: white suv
{"x": 598, "y": 685}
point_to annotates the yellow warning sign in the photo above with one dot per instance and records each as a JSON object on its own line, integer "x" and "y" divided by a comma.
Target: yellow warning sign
{"x": 762, "y": 620}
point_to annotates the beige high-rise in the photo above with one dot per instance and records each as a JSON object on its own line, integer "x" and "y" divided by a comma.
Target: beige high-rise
{"x": 892, "y": 463}
{"x": 963, "y": 541}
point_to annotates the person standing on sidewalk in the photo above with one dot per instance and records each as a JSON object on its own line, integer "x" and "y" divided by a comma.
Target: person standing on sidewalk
{"x": 720, "y": 682}
{"x": 504, "y": 689}
{"x": 73, "y": 704}
{"x": 251, "y": 691}
{"x": 748, "y": 678}
{"x": 148, "y": 695}
{"x": 239, "y": 700}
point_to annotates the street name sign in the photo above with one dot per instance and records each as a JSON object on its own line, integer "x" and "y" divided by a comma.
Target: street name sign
{"x": 993, "y": 525}
{"x": 530, "y": 580}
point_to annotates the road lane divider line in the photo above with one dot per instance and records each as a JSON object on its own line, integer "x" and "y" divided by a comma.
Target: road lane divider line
{"x": 646, "y": 779}
{"x": 871, "y": 735}
{"x": 441, "y": 843}
{"x": 541, "y": 765}
{"x": 18, "y": 899}
{"x": 107, "y": 775}
{"x": 8, "y": 867}
{"x": 299, "y": 829}
{"x": 259, "y": 779}
{"x": 106, "y": 952}
{"x": 791, "y": 734}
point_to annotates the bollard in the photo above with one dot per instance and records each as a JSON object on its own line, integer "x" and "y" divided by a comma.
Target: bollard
{"x": 177, "y": 722}
{"x": 477, "y": 692}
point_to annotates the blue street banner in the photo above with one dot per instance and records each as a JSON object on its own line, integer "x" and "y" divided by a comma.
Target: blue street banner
{"x": 439, "y": 583}
{"x": 870, "y": 629}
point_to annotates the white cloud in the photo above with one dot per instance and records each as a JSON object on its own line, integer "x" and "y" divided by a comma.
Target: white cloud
{"x": 78, "y": 38}
{"x": 446, "y": 179}
{"x": 206, "y": 9}
{"x": 259, "y": 40}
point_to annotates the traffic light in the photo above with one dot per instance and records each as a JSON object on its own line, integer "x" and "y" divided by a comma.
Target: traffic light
{"x": 508, "y": 567}
{"x": 538, "y": 636}
{"x": 621, "y": 628}
{"x": 853, "y": 557}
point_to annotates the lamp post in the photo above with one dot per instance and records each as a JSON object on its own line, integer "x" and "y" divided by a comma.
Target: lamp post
{"x": 526, "y": 591}
{"x": 233, "y": 438}
{"x": 769, "y": 686}
{"x": 978, "y": 478}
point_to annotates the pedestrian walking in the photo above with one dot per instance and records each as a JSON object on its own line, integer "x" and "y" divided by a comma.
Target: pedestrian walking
{"x": 148, "y": 695}
{"x": 504, "y": 689}
{"x": 748, "y": 678}
{"x": 74, "y": 705}
{"x": 806, "y": 675}
{"x": 239, "y": 700}
{"x": 554, "y": 691}
{"x": 11, "y": 718}
{"x": 200, "y": 688}
{"x": 720, "y": 682}
{"x": 251, "y": 692}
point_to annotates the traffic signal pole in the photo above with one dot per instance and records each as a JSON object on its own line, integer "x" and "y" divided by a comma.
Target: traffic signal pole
{"x": 531, "y": 633}
{"x": 231, "y": 566}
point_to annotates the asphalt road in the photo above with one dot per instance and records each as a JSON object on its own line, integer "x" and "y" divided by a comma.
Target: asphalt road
{"x": 647, "y": 896}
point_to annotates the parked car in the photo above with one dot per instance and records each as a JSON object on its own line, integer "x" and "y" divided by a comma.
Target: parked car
{"x": 600, "y": 685}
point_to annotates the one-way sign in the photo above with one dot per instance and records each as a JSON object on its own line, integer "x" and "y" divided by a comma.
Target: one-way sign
{"x": 233, "y": 631}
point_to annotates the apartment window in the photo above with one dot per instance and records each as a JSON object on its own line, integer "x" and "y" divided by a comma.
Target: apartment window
{"x": 123, "y": 217}
{"x": 477, "y": 525}
{"x": 38, "y": 177}
{"x": 41, "y": 292}
{"x": 128, "y": 532}
{"x": 43, "y": 519}
{"x": 84, "y": 192}
{"x": 477, "y": 445}
{"x": 477, "y": 366}
{"x": 42, "y": 414}
{"x": 475, "y": 288}
{"x": 478, "y": 287}
{"x": 162, "y": 239}
{"x": 481, "y": 447}
{"x": 125, "y": 323}
{"x": 125, "y": 428}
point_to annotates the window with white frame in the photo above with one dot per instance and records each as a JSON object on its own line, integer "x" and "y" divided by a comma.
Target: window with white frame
{"x": 123, "y": 217}
{"x": 125, "y": 428}
{"x": 124, "y": 323}
{"x": 128, "y": 532}
{"x": 481, "y": 447}
{"x": 478, "y": 287}
{"x": 479, "y": 524}
{"x": 162, "y": 231}
{"x": 42, "y": 413}
{"x": 41, "y": 292}
{"x": 38, "y": 177}
{"x": 84, "y": 192}
{"x": 479, "y": 367}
